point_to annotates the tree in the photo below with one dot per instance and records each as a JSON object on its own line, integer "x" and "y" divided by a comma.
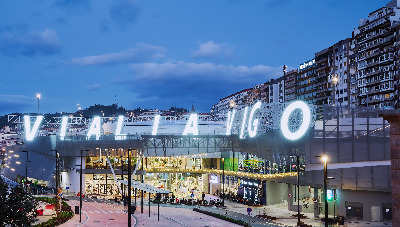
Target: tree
{"x": 21, "y": 207}
{"x": 3, "y": 198}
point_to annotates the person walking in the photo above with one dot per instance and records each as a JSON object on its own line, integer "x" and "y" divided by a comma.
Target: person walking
{"x": 203, "y": 196}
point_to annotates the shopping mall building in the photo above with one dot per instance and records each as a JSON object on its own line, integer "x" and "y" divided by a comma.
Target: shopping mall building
{"x": 250, "y": 156}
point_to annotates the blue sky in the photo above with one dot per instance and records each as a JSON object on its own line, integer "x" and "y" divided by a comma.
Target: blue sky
{"x": 158, "y": 53}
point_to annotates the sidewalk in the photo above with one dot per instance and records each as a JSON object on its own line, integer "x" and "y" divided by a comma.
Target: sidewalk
{"x": 281, "y": 212}
{"x": 173, "y": 216}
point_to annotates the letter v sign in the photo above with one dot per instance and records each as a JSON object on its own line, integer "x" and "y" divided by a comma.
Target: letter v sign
{"x": 28, "y": 132}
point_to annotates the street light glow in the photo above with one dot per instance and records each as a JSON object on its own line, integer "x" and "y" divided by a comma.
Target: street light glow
{"x": 324, "y": 158}
{"x": 232, "y": 104}
{"x": 38, "y": 95}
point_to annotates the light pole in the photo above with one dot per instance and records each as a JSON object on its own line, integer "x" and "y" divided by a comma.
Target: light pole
{"x": 38, "y": 95}
{"x": 284, "y": 81}
{"x": 223, "y": 182}
{"x": 26, "y": 167}
{"x": 334, "y": 82}
{"x": 56, "y": 190}
{"x": 298, "y": 190}
{"x": 129, "y": 189}
{"x": 122, "y": 176}
{"x": 80, "y": 186}
{"x": 325, "y": 160}
{"x": 56, "y": 170}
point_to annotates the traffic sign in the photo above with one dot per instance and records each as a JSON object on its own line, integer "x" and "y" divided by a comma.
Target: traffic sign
{"x": 290, "y": 195}
{"x": 249, "y": 210}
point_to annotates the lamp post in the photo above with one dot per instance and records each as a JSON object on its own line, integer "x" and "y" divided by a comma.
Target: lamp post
{"x": 56, "y": 170}
{"x": 26, "y": 167}
{"x": 298, "y": 190}
{"x": 38, "y": 95}
{"x": 56, "y": 190}
{"x": 334, "y": 82}
{"x": 284, "y": 81}
{"x": 223, "y": 182}
{"x": 129, "y": 189}
{"x": 325, "y": 160}
{"x": 122, "y": 176}
{"x": 80, "y": 186}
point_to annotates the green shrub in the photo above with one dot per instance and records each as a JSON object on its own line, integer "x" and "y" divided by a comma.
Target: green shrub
{"x": 239, "y": 222}
{"x": 62, "y": 217}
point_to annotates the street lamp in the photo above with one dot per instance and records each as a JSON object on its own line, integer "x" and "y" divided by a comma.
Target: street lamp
{"x": 26, "y": 167}
{"x": 223, "y": 182}
{"x": 298, "y": 190}
{"x": 56, "y": 190}
{"x": 284, "y": 81}
{"x": 80, "y": 186}
{"x": 232, "y": 104}
{"x": 324, "y": 158}
{"x": 122, "y": 177}
{"x": 129, "y": 190}
{"x": 38, "y": 95}
{"x": 334, "y": 82}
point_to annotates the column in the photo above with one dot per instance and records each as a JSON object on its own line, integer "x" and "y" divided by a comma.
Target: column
{"x": 394, "y": 120}
{"x": 316, "y": 201}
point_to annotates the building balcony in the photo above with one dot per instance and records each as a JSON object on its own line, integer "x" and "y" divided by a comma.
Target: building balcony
{"x": 373, "y": 83}
{"x": 370, "y": 56}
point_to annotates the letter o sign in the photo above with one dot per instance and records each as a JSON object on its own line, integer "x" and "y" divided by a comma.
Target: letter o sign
{"x": 304, "y": 125}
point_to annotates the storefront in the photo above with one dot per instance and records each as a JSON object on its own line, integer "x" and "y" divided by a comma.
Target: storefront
{"x": 251, "y": 191}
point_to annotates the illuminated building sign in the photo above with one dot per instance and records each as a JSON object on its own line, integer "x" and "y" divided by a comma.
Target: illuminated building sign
{"x": 305, "y": 122}
{"x": 247, "y": 126}
{"x": 214, "y": 179}
{"x": 306, "y": 64}
{"x": 329, "y": 194}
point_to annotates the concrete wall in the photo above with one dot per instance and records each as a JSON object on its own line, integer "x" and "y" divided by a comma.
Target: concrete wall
{"x": 276, "y": 192}
{"x": 367, "y": 198}
{"x": 71, "y": 178}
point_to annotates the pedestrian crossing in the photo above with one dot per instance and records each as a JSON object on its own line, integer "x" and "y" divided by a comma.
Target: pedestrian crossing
{"x": 105, "y": 212}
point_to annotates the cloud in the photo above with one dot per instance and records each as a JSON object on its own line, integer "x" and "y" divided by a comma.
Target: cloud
{"x": 181, "y": 83}
{"x": 211, "y": 50}
{"x": 124, "y": 12}
{"x": 94, "y": 87}
{"x": 31, "y": 44}
{"x": 142, "y": 53}
{"x": 17, "y": 103}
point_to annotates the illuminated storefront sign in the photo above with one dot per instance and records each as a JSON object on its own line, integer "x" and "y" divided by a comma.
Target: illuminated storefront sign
{"x": 214, "y": 179}
{"x": 329, "y": 194}
{"x": 248, "y": 125}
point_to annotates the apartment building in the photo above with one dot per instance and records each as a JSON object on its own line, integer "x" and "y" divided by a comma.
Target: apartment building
{"x": 290, "y": 86}
{"x": 236, "y": 100}
{"x": 305, "y": 82}
{"x": 376, "y": 62}
{"x": 276, "y": 90}
{"x": 352, "y": 72}
{"x": 340, "y": 73}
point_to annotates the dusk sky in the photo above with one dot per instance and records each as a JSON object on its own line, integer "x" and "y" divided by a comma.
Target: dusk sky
{"x": 158, "y": 53}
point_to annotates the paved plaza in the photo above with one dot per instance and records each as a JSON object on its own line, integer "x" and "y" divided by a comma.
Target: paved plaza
{"x": 107, "y": 213}
{"x": 98, "y": 212}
